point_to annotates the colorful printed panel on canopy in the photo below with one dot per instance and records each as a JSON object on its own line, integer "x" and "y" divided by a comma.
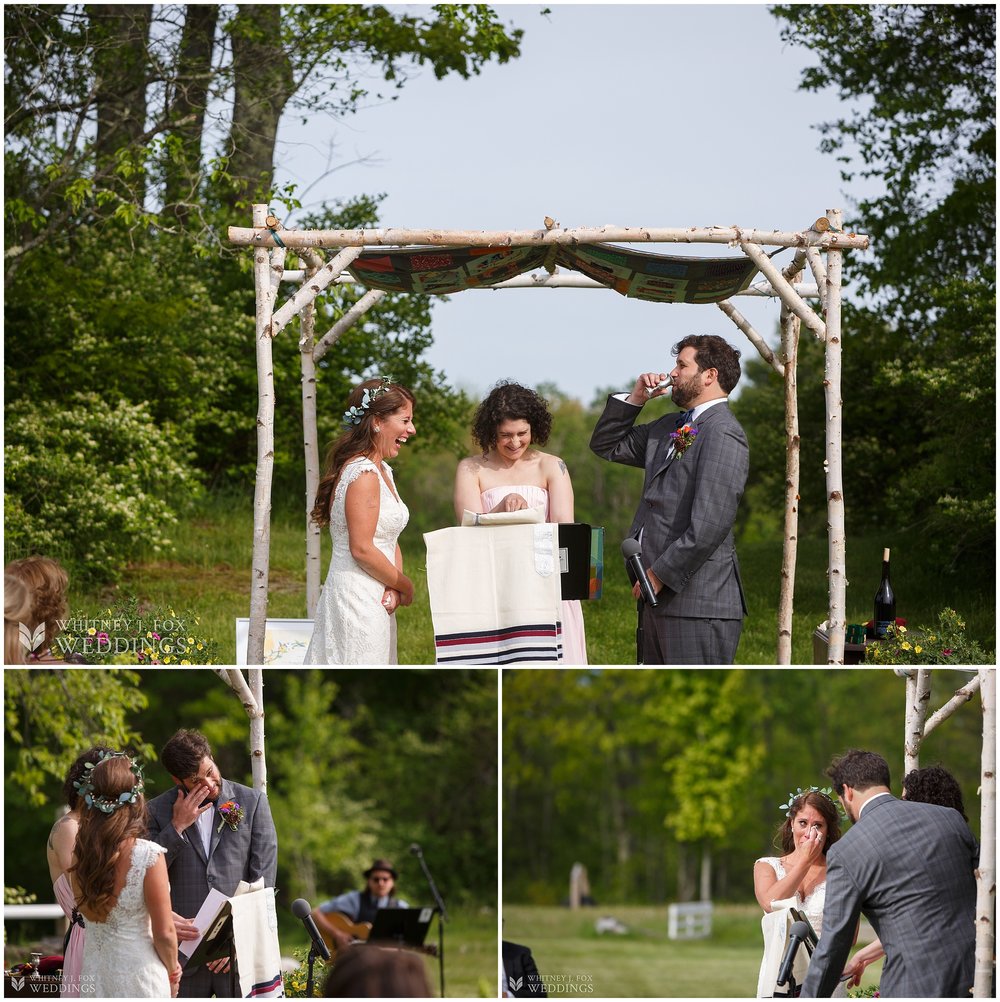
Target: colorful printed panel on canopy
{"x": 659, "y": 278}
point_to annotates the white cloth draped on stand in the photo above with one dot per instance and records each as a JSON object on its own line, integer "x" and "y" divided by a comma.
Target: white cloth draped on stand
{"x": 495, "y": 593}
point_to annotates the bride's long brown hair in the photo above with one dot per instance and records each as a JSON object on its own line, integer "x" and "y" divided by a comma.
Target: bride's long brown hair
{"x": 357, "y": 440}
{"x": 101, "y": 837}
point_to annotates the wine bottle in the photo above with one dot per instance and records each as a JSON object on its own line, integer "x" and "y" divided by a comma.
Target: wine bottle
{"x": 885, "y": 600}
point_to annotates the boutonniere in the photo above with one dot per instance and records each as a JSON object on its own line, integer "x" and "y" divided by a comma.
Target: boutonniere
{"x": 683, "y": 438}
{"x": 232, "y": 815}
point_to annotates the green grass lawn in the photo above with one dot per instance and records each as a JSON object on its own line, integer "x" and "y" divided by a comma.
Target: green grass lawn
{"x": 644, "y": 962}
{"x": 209, "y": 575}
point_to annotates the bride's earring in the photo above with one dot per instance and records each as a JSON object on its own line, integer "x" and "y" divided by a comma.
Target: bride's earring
{"x": 378, "y": 428}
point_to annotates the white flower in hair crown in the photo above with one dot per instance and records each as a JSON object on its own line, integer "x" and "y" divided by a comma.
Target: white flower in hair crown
{"x": 827, "y": 792}
{"x": 354, "y": 415}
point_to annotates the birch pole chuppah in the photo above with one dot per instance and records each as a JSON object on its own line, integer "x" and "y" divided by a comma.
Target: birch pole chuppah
{"x": 264, "y": 234}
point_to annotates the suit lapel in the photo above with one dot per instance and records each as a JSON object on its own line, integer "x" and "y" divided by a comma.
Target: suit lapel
{"x": 225, "y": 793}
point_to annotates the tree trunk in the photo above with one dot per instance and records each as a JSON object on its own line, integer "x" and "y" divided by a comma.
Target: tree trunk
{"x": 194, "y": 75}
{"x": 120, "y": 33}
{"x": 986, "y": 875}
{"x": 263, "y": 84}
{"x": 706, "y": 872}
{"x": 790, "y": 325}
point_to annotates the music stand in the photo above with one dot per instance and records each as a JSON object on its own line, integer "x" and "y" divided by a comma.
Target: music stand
{"x": 402, "y": 926}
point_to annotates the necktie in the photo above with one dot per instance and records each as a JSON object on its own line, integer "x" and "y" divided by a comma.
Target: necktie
{"x": 686, "y": 417}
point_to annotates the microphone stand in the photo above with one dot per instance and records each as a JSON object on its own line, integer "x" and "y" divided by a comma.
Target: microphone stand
{"x": 638, "y": 631}
{"x": 313, "y": 954}
{"x": 442, "y": 914}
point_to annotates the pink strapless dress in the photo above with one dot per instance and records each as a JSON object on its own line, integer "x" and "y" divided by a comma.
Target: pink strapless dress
{"x": 574, "y": 639}
{"x": 73, "y": 958}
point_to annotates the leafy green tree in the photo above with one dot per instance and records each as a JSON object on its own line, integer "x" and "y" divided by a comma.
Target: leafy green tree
{"x": 154, "y": 78}
{"x": 328, "y": 836}
{"x": 52, "y": 715}
{"x": 919, "y": 85}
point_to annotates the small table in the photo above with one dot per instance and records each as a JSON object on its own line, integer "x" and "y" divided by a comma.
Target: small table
{"x": 854, "y": 654}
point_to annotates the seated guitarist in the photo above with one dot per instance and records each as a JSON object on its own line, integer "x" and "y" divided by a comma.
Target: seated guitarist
{"x": 358, "y": 908}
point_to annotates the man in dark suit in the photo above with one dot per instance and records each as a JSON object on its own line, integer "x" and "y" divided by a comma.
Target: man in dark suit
{"x": 696, "y": 465}
{"x": 908, "y": 867}
{"x": 208, "y": 847}
{"x": 521, "y": 977}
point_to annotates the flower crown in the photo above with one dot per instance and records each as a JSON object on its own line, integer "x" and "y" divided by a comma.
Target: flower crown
{"x": 85, "y": 785}
{"x": 354, "y": 415}
{"x": 827, "y": 792}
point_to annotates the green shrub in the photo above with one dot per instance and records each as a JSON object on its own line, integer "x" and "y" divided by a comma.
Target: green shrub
{"x": 87, "y": 483}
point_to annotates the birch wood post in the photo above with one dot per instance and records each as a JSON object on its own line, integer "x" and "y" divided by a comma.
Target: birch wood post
{"x": 784, "y": 288}
{"x": 311, "y": 289}
{"x": 346, "y": 322}
{"x": 260, "y": 564}
{"x": 836, "y": 621}
{"x": 310, "y": 446}
{"x": 252, "y": 698}
{"x": 754, "y": 338}
{"x": 241, "y": 236}
{"x": 819, "y": 273}
{"x": 918, "y": 695}
{"x": 962, "y": 696}
{"x": 986, "y": 875}
{"x": 790, "y": 328}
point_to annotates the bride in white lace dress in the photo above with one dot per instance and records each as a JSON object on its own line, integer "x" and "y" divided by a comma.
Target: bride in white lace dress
{"x": 357, "y": 498}
{"x": 120, "y": 883}
{"x": 797, "y": 878}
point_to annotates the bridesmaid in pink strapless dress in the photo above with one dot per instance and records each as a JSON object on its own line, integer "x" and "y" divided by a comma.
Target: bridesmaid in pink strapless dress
{"x": 511, "y": 474}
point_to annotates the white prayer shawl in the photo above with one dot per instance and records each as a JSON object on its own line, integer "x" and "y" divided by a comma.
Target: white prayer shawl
{"x": 495, "y": 593}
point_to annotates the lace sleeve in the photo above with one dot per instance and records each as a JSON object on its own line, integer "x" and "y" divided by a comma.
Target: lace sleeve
{"x": 351, "y": 472}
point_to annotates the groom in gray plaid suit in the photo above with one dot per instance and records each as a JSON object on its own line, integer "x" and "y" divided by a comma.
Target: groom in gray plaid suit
{"x": 208, "y": 847}
{"x": 696, "y": 465}
{"x": 909, "y": 868}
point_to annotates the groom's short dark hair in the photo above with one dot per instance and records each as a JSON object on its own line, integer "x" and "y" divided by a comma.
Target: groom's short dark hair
{"x": 859, "y": 770}
{"x": 183, "y": 753}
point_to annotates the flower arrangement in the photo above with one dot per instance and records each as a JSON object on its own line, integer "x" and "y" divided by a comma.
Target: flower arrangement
{"x": 864, "y": 992}
{"x": 295, "y": 981}
{"x": 232, "y": 815}
{"x": 683, "y": 438}
{"x": 126, "y": 633}
{"x": 945, "y": 644}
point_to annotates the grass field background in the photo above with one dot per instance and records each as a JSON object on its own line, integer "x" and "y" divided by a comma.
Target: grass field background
{"x": 644, "y": 962}
{"x": 209, "y": 575}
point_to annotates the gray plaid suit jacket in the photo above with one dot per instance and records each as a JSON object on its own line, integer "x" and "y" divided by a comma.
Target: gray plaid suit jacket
{"x": 245, "y": 854}
{"x": 688, "y": 504}
{"x": 909, "y": 868}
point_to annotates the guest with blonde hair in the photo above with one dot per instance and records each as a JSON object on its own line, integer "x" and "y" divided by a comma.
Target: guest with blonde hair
{"x": 47, "y": 584}
{"x": 16, "y": 610}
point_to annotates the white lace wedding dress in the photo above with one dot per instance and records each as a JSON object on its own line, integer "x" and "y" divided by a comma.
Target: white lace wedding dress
{"x": 119, "y": 959}
{"x": 351, "y": 626}
{"x": 811, "y": 907}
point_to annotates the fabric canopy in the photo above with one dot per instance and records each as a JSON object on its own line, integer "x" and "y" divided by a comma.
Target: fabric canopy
{"x": 636, "y": 274}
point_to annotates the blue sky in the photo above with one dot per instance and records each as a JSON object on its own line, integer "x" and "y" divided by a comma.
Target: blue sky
{"x": 655, "y": 115}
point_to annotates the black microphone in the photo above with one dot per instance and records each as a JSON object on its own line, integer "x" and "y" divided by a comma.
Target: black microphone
{"x": 301, "y": 910}
{"x": 798, "y": 933}
{"x": 415, "y": 849}
{"x": 632, "y": 552}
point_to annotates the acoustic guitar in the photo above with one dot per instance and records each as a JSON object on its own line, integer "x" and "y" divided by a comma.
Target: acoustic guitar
{"x": 358, "y": 931}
